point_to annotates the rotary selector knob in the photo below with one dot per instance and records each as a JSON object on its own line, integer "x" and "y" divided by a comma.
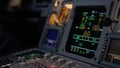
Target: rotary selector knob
{"x": 47, "y": 56}
{"x": 69, "y": 64}
{"x": 53, "y": 58}
{"x": 61, "y": 61}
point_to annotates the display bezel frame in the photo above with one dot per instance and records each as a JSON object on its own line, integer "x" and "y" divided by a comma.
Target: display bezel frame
{"x": 44, "y": 46}
{"x": 95, "y": 60}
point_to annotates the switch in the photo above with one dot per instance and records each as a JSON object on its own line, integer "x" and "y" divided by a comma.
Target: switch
{"x": 33, "y": 56}
{"x": 47, "y": 56}
{"x": 53, "y": 59}
{"x": 69, "y": 64}
{"x": 53, "y": 66}
{"x": 61, "y": 61}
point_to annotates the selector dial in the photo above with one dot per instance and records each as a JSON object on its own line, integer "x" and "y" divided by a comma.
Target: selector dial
{"x": 61, "y": 61}
{"x": 70, "y": 64}
{"x": 47, "y": 56}
{"x": 53, "y": 59}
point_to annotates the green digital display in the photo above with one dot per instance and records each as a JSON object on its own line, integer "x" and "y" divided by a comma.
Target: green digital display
{"x": 86, "y": 30}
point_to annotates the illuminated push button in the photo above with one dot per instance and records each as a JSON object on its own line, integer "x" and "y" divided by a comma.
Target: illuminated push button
{"x": 53, "y": 59}
{"x": 69, "y": 64}
{"x": 53, "y": 66}
{"x": 61, "y": 61}
{"x": 47, "y": 56}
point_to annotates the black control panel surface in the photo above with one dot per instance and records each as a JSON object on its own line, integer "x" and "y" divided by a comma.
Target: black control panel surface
{"x": 86, "y": 30}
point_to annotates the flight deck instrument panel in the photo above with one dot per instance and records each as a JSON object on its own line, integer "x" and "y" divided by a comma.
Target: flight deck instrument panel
{"x": 86, "y": 34}
{"x": 86, "y": 30}
{"x": 74, "y": 36}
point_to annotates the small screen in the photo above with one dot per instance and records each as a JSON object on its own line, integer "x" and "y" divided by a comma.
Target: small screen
{"x": 86, "y": 30}
{"x": 51, "y": 37}
{"x": 113, "y": 55}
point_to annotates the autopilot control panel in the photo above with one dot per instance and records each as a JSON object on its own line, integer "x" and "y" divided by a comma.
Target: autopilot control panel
{"x": 77, "y": 34}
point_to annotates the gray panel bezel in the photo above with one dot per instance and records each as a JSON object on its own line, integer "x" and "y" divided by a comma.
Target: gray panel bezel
{"x": 105, "y": 3}
{"x": 46, "y": 47}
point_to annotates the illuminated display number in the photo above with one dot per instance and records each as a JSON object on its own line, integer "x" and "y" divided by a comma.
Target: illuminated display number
{"x": 85, "y": 32}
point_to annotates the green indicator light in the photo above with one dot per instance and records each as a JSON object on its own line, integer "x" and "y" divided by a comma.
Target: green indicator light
{"x": 82, "y": 26}
{"x": 85, "y": 21}
{"x": 93, "y": 44}
{"x": 101, "y": 14}
{"x": 92, "y": 18}
{"x": 76, "y": 27}
{"x": 82, "y": 52}
{"x": 94, "y": 40}
{"x": 80, "y": 44}
{"x": 76, "y": 37}
{"x": 85, "y": 13}
{"x": 89, "y": 23}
